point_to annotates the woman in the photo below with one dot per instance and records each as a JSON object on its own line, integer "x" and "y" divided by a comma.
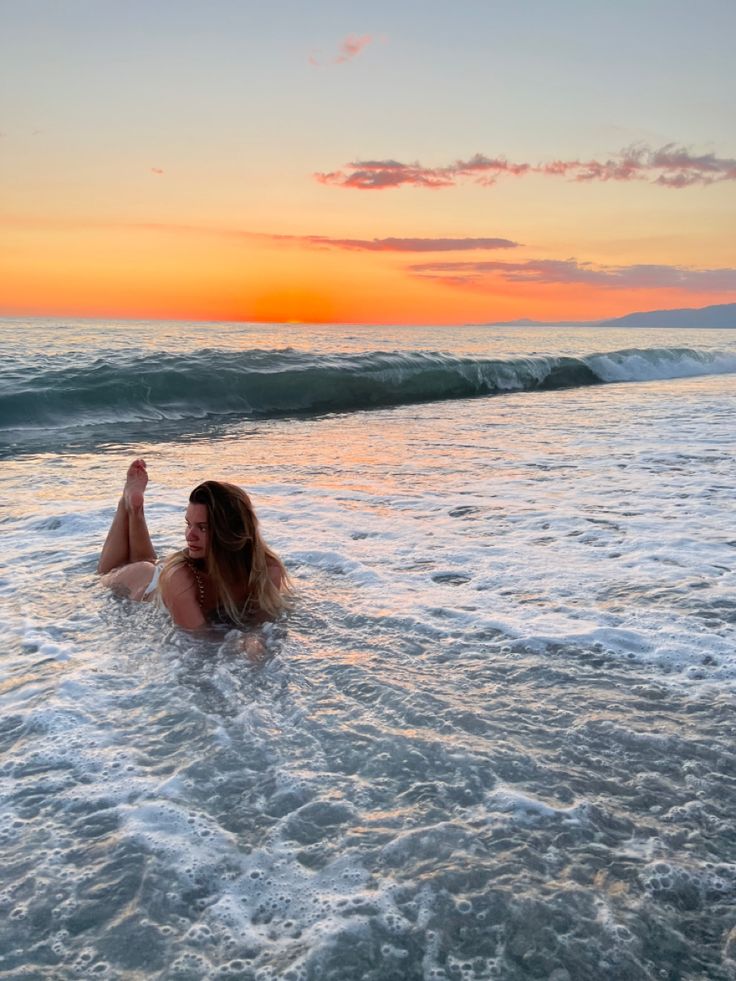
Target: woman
{"x": 226, "y": 573}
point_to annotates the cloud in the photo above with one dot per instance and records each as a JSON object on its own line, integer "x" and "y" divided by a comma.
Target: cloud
{"x": 670, "y": 166}
{"x": 156, "y": 170}
{"x": 405, "y": 244}
{"x": 377, "y": 174}
{"x": 571, "y": 272}
{"x": 349, "y": 48}
{"x": 352, "y": 46}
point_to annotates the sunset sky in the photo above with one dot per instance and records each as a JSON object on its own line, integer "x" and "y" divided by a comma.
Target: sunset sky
{"x": 410, "y": 161}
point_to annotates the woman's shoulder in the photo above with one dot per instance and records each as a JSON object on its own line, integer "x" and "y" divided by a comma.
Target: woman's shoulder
{"x": 275, "y": 573}
{"x": 177, "y": 576}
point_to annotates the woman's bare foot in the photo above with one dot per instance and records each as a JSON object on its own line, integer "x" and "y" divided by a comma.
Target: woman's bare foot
{"x": 135, "y": 485}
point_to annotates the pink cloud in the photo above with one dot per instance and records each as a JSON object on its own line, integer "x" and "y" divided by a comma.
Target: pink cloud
{"x": 487, "y": 170}
{"x": 352, "y": 46}
{"x": 378, "y": 174}
{"x": 349, "y": 48}
{"x": 572, "y": 272}
{"x": 156, "y": 170}
{"x": 670, "y": 166}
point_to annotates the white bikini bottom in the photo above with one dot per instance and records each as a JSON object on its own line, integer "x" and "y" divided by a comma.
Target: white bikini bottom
{"x": 153, "y": 584}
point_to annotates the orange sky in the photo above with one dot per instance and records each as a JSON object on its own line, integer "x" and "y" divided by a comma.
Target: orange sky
{"x": 386, "y": 176}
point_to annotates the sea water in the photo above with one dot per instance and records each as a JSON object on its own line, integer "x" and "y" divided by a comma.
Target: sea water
{"x": 494, "y": 737}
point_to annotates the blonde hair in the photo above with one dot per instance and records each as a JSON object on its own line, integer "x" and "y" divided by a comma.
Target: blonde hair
{"x": 237, "y": 553}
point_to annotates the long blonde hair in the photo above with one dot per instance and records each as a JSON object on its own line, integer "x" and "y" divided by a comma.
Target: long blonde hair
{"x": 237, "y": 553}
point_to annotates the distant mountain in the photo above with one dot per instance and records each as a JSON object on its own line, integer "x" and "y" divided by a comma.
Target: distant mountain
{"x": 721, "y": 315}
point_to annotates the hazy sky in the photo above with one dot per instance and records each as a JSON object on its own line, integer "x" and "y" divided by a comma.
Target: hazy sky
{"x": 392, "y": 162}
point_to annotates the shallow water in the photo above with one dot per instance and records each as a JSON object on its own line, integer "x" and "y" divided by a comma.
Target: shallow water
{"x": 493, "y": 739}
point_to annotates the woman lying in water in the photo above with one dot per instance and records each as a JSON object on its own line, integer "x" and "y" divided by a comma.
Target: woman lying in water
{"x": 226, "y": 572}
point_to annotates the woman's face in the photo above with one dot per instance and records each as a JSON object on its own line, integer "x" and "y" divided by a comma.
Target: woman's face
{"x": 197, "y": 530}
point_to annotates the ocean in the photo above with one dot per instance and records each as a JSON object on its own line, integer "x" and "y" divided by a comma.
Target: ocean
{"x": 494, "y": 737}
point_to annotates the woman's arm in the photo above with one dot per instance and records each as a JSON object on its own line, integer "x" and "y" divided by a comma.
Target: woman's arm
{"x": 179, "y": 593}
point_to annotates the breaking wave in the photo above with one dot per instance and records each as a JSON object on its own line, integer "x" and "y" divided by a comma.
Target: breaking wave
{"x": 127, "y": 387}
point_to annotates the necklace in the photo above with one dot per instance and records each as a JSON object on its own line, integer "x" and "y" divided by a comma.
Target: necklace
{"x": 198, "y": 580}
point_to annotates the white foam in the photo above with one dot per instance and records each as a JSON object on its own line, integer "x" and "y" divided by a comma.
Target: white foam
{"x": 623, "y": 366}
{"x": 524, "y": 808}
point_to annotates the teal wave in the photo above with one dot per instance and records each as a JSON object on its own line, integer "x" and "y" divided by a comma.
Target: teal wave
{"x": 130, "y": 387}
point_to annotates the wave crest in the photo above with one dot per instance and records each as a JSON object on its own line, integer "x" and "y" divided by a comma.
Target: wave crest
{"x": 214, "y": 384}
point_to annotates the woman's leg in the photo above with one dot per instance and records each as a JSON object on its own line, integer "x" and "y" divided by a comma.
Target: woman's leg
{"x": 116, "y": 550}
{"x": 139, "y": 541}
{"x": 128, "y": 539}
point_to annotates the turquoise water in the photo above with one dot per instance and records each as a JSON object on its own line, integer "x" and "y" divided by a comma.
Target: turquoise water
{"x": 493, "y": 739}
